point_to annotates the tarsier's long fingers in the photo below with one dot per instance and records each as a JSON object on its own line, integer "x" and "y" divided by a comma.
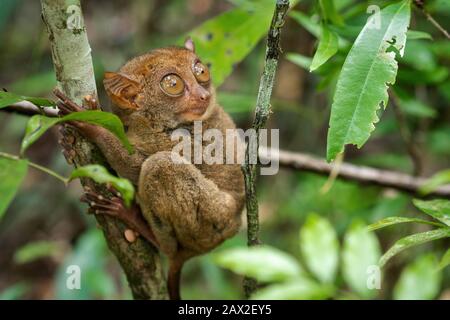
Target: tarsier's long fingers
{"x": 65, "y": 103}
{"x": 115, "y": 207}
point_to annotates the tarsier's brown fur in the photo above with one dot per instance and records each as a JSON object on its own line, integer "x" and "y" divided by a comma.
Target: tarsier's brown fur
{"x": 190, "y": 208}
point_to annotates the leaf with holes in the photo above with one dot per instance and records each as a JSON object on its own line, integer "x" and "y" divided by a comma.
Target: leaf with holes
{"x": 100, "y": 175}
{"x": 12, "y": 173}
{"x": 369, "y": 68}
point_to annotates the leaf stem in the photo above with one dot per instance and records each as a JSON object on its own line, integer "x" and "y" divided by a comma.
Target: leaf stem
{"x": 36, "y": 166}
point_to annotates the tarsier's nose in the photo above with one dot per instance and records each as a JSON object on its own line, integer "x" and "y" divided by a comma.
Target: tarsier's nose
{"x": 202, "y": 93}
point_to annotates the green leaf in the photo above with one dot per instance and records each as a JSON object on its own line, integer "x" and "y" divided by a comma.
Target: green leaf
{"x": 12, "y": 173}
{"x": 414, "y": 240}
{"x": 319, "y": 246}
{"x": 361, "y": 250}
{"x": 100, "y": 175}
{"x": 226, "y": 40}
{"x": 38, "y": 125}
{"x": 419, "y": 280}
{"x": 362, "y": 85}
{"x": 306, "y": 22}
{"x": 303, "y": 289}
{"x": 445, "y": 260}
{"x": 438, "y": 209}
{"x": 328, "y": 46}
{"x": 437, "y": 180}
{"x": 264, "y": 263}
{"x": 300, "y": 60}
{"x": 36, "y": 250}
{"x": 396, "y": 220}
{"x": 329, "y": 12}
{"x": 418, "y": 35}
{"x": 8, "y": 98}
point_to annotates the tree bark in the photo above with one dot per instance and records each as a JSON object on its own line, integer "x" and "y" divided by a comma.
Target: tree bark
{"x": 261, "y": 115}
{"x": 72, "y": 61}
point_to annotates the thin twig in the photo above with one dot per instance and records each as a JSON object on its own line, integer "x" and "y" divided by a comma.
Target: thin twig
{"x": 261, "y": 115}
{"x": 362, "y": 174}
{"x": 37, "y": 166}
{"x": 420, "y": 4}
{"x": 28, "y": 108}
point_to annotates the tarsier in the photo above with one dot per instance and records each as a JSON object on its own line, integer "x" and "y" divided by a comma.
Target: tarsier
{"x": 183, "y": 209}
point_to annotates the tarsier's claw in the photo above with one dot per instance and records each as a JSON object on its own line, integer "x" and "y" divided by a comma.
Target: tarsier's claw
{"x": 90, "y": 102}
{"x": 115, "y": 207}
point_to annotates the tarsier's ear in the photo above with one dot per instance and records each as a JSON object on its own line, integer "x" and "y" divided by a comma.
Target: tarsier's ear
{"x": 189, "y": 44}
{"x": 121, "y": 89}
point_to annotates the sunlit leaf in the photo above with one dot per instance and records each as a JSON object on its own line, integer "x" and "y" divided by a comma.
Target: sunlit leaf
{"x": 100, "y": 175}
{"x": 319, "y": 246}
{"x": 396, "y": 220}
{"x": 362, "y": 85}
{"x": 438, "y": 209}
{"x": 419, "y": 280}
{"x": 38, "y": 125}
{"x": 264, "y": 263}
{"x": 414, "y": 240}
{"x": 361, "y": 250}
{"x": 9, "y": 98}
{"x": 296, "y": 290}
{"x": 12, "y": 173}
{"x": 328, "y": 46}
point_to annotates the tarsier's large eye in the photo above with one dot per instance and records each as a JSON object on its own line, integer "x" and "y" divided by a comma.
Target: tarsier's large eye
{"x": 172, "y": 85}
{"x": 201, "y": 72}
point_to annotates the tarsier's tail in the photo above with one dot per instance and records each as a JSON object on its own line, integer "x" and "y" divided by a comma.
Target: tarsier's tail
{"x": 173, "y": 278}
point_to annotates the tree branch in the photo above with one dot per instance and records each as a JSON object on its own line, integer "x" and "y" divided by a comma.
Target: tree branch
{"x": 72, "y": 60}
{"x": 29, "y": 109}
{"x": 261, "y": 115}
{"x": 420, "y": 4}
{"x": 347, "y": 171}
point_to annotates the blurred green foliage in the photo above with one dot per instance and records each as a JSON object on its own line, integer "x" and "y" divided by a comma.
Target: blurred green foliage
{"x": 228, "y": 36}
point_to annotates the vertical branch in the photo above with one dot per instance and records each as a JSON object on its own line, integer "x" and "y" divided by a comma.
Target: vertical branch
{"x": 72, "y": 60}
{"x": 262, "y": 112}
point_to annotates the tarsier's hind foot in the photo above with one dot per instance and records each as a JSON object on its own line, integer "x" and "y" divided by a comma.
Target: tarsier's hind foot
{"x": 115, "y": 207}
